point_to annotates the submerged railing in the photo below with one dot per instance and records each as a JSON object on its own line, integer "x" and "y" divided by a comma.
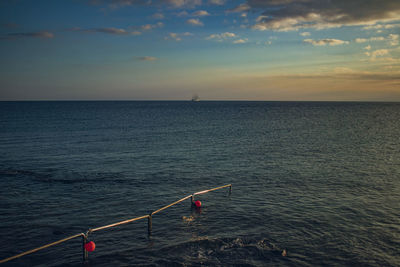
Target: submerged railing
{"x": 86, "y": 235}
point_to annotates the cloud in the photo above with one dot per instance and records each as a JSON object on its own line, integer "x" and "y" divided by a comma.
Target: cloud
{"x": 74, "y": 29}
{"x": 201, "y": 13}
{"x": 183, "y": 3}
{"x": 221, "y": 37}
{"x": 10, "y": 25}
{"x": 240, "y": 41}
{"x": 381, "y": 27}
{"x": 107, "y": 30}
{"x": 380, "y": 52}
{"x": 288, "y": 15}
{"x": 149, "y": 27}
{"x": 343, "y": 70}
{"x": 368, "y": 47}
{"x": 360, "y": 40}
{"x": 217, "y": 2}
{"x": 114, "y": 4}
{"x": 285, "y": 24}
{"x": 112, "y": 30}
{"x": 177, "y": 36}
{"x": 225, "y": 36}
{"x": 393, "y": 39}
{"x": 20, "y": 35}
{"x": 158, "y": 16}
{"x": 377, "y": 53}
{"x": 146, "y": 58}
{"x": 344, "y": 73}
{"x": 213, "y": 36}
{"x": 323, "y": 42}
{"x": 174, "y": 36}
{"x": 260, "y": 18}
{"x": 305, "y": 34}
{"x": 240, "y": 8}
{"x": 194, "y": 22}
{"x": 371, "y": 76}
{"x": 380, "y": 38}
{"x": 183, "y": 13}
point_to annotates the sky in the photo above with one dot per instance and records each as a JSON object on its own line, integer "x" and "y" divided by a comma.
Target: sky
{"x": 273, "y": 50}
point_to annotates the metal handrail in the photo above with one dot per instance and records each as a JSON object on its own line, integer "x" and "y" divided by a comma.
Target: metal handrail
{"x": 213, "y": 189}
{"x": 170, "y": 205}
{"x": 42, "y": 247}
{"x": 116, "y": 224}
{"x": 85, "y": 236}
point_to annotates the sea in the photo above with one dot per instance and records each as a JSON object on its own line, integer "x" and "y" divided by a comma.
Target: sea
{"x": 313, "y": 183}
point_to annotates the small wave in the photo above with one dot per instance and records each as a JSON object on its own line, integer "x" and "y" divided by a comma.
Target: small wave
{"x": 241, "y": 251}
{"x": 56, "y": 176}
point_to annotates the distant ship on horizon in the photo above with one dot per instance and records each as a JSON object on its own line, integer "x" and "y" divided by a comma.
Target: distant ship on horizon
{"x": 195, "y": 98}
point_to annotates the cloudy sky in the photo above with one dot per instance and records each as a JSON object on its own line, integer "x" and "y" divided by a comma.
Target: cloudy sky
{"x": 218, "y": 49}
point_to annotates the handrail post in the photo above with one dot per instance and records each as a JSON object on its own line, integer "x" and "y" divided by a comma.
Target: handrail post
{"x": 84, "y": 251}
{"x": 192, "y": 199}
{"x": 230, "y": 189}
{"x": 150, "y": 223}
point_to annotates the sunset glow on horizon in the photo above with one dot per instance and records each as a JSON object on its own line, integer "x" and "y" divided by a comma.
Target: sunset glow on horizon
{"x": 289, "y": 50}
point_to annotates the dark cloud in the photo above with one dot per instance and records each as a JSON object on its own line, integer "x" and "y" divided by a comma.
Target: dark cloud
{"x": 133, "y": 30}
{"x": 286, "y": 15}
{"x": 362, "y": 76}
{"x": 10, "y": 25}
{"x": 110, "y": 30}
{"x": 19, "y": 35}
{"x": 146, "y": 58}
{"x": 240, "y": 8}
{"x": 323, "y": 42}
{"x": 217, "y": 2}
{"x": 115, "y": 31}
{"x": 173, "y": 3}
{"x": 116, "y": 3}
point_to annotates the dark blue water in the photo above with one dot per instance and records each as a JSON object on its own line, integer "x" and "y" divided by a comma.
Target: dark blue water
{"x": 321, "y": 180}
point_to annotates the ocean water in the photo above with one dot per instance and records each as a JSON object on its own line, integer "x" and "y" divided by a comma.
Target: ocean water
{"x": 319, "y": 179}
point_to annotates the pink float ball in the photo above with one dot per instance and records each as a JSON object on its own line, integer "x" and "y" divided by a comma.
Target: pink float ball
{"x": 197, "y": 203}
{"x": 90, "y": 246}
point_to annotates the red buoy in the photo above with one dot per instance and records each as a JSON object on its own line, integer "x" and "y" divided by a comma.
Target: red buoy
{"x": 197, "y": 203}
{"x": 90, "y": 246}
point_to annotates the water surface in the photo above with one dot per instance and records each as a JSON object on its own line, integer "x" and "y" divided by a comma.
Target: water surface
{"x": 321, "y": 180}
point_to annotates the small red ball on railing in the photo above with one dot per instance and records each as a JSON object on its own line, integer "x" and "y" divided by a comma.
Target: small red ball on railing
{"x": 90, "y": 246}
{"x": 197, "y": 203}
